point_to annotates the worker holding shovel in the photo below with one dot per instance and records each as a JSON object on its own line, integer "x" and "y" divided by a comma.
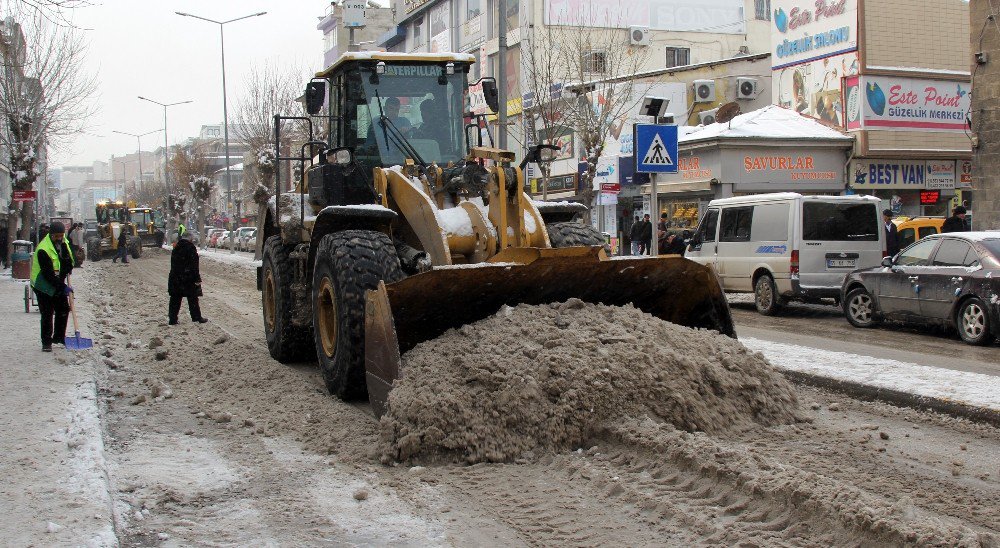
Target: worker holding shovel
{"x": 52, "y": 263}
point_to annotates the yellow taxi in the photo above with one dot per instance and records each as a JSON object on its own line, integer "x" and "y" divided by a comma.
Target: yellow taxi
{"x": 915, "y": 228}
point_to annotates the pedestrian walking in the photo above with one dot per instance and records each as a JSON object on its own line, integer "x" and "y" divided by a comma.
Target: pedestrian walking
{"x": 50, "y": 266}
{"x": 646, "y": 235}
{"x": 3, "y": 245}
{"x": 956, "y": 223}
{"x": 122, "y": 247}
{"x": 184, "y": 280}
{"x": 661, "y": 234}
{"x": 891, "y": 233}
{"x": 635, "y": 234}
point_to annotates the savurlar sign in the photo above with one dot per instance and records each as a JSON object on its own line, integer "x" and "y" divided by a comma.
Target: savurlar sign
{"x": 907, "y": 104}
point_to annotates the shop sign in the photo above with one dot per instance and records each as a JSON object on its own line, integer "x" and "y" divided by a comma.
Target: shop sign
{"x": 411, "y": 5}
{"x": 715, "y": 16}
{"x": 690, "y": 168}
{"x": 929, "y": 197}
{"x": 701, "y": 166}
{"x": 907, "y": 104}
{"x": 940, "y": 174}
{"x": 965, "y": 174}
{"x": 557, "y": 183}
{"x": 795, "y": 168}
{"x": 611, "y": 187}
{"x": 25, "y": 195}
{"x": 806, "y": 30}
{"x": 889, "y": 174}
{"x": 473, "y": 26}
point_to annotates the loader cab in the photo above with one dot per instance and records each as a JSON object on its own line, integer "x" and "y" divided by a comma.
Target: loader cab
{"x": 386, "y": 106}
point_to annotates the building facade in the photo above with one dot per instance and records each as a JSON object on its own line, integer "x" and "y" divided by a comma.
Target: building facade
{"x": 985, "y": 47}
{"x": 336, "y": 37}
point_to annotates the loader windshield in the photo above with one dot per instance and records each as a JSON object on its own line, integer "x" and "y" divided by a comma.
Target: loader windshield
{"x": 422, "y": 110}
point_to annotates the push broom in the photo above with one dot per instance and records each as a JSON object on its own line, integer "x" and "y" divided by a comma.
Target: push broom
{"x": 76, "y": 342}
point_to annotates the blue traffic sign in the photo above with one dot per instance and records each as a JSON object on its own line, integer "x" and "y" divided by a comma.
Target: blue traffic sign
{"x": 655, "y": 148}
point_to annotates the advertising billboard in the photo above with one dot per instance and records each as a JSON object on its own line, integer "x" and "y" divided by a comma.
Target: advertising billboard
{"x": 907, "y": 104}
{"x": 807, "y": 30}
{"x": 814, "y": 88}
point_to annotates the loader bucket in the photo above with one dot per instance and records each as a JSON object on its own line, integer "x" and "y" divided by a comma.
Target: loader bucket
{"x": 419, "y": 308}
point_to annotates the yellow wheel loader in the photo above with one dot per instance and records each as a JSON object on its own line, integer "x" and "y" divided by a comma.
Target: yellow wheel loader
{"x": 113, "y": 222}
{"x": 404, "y": 226}
{"x": 149, "y": 226}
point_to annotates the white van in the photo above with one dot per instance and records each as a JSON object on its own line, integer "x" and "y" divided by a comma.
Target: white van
{"x": 788, "y": 246}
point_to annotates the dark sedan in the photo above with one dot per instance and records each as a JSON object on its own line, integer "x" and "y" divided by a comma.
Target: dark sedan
{"x": 948, "y": 279}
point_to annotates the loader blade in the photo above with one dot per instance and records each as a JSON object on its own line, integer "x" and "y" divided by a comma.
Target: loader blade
{"x": 419, "y": 308}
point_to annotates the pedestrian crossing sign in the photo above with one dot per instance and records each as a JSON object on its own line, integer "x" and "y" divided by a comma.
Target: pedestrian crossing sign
{"x": 655, "y": 148}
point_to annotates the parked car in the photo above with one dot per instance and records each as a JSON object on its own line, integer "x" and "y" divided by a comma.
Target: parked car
{"x": 251, "y": 241}
{"x": 916, "y": 228}
{"x": 213, "y": 236}
{"x": 948, "y": 279}
{"x": 787, "y": 246}
{"x": 239, "y": 237}
{"x": 248, "y": 242}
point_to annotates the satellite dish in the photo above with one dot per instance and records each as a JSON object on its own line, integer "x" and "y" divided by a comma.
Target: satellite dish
{"x": 727, "y": 112}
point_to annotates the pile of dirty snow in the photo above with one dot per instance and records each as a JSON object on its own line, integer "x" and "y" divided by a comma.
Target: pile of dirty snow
{"x": 540, "y": 378}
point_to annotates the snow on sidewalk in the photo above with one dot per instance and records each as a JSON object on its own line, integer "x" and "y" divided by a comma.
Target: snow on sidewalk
{"x": 55, "y": 489}
{"x": 224, "y": 256}
{"x": 973, "y": 389}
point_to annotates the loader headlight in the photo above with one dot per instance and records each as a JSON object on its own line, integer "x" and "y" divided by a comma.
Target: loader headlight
{"x": 380, "y": 67}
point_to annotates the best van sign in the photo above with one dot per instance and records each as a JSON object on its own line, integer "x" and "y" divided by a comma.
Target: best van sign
{"x": 910, "y": 104}
{"x": 807, "y": 30}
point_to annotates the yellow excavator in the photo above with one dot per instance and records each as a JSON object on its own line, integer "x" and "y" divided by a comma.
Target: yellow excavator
{"x": 405, "y": 224}
{"x": 113, "y": 221}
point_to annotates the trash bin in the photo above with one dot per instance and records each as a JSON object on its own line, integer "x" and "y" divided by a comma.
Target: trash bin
{"x": 21, "y": 260}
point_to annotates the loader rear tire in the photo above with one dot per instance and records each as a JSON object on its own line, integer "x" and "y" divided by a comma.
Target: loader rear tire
{"x": 136, "y": 250}
{"x": 287, "y": 343}
{"x": 573, "y": 234}
{"x": 348, "y": 263}
{"x": 94, "y": 249}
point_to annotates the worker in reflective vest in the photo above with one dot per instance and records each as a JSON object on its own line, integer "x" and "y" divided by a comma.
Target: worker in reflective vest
{"x": 52, "y": 263}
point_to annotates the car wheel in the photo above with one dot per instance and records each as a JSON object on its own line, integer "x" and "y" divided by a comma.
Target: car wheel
{"x": 973, "y": 322}
{"x": 859, "y": 308}
{"x": 766, "y": 296}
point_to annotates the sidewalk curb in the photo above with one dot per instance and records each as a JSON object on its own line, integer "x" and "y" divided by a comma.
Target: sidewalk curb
{"x": 896, "y": 397}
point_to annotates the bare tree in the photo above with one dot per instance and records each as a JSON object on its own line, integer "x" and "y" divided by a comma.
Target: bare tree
{"x": 583, "y": 78}
{"x": 55, "y": 12}
{"x": 186, "y": 165}
{"x": 44, "y": 98}
{"x": 269, "y": 90}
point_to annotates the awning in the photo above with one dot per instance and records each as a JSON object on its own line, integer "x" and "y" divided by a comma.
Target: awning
{"x": 677, "y": 188}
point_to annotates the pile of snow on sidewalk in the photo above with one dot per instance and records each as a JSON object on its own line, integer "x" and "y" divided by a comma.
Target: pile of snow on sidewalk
{"x": 533, "y": 379}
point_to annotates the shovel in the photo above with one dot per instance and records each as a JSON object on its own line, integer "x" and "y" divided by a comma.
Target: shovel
{"x": 76, "y": 342}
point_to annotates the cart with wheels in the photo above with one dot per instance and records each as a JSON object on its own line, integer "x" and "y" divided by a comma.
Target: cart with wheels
{"x": 21, "y": 269}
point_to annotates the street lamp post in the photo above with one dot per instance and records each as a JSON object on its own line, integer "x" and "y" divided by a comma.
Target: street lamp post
{"x": 166, "y": 159}
{"x": 138, "y": 147}
{"x": 225, "y": 112}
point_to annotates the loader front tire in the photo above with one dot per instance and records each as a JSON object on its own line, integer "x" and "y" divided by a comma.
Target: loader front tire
{"x": 136, "y": 246}
{"x": 94, "y": 249}
{"x": 287, "y": 343}
{"x": 348, "y": 264}
{"x": 573, "y": 234}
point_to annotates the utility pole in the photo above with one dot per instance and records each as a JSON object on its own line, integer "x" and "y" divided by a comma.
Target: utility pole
{"x": 501, "y": 71}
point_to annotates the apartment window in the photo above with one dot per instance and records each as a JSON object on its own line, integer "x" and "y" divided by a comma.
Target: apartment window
{"x": 472, "y": 8}
{"x": 418, "y": 32}
{"x": 595, "y": 62}
{"x": 678, "y": 57}
{"x": 763, "y": 10}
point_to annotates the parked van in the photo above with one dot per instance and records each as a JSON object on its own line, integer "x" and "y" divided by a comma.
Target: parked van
{"x": 911, "y": 230}
{"x": 787, "y": 246}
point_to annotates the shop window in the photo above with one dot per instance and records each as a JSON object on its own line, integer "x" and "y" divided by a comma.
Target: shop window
{"x": 595, "y": 62}
{"x": 472, "y": 8}
{"x": 762, "y": 10}
{"x": 678, "y": 57}
{"x": 418, "y": 32}
{"x": 736, "y": 223}
{"x": 951, "y": 253}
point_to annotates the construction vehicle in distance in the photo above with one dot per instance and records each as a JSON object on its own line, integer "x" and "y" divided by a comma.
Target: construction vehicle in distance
{"x": 113, "y": 221}
{"x": 405, "y": 225}
{"x": 149, "y": 226}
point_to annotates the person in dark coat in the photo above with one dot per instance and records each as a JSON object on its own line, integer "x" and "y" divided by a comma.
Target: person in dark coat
{"x": 891, "y": 234}
{"x": 122, "y": 252}
{"x": 956, "y": 223}
{"x": 51, "y": 264}
{"x": 674, "y": 245}
{"x": 184, "y": 280}
{"x": 646, "y": 235}
{"x": 634, "y": 235}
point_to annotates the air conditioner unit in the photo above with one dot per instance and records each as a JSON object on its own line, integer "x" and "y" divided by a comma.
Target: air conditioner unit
{"x": 704, "y": 91}
{"x": 638, "y": 36}
{"x": 707, "y": 117}
{"x": 747, "y": 88}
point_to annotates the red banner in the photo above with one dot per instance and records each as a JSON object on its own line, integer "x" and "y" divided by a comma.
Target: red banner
{"x": 25, "y": 195}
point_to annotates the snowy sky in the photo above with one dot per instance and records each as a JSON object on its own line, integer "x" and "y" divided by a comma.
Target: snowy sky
{"x": 140, "y": 47}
